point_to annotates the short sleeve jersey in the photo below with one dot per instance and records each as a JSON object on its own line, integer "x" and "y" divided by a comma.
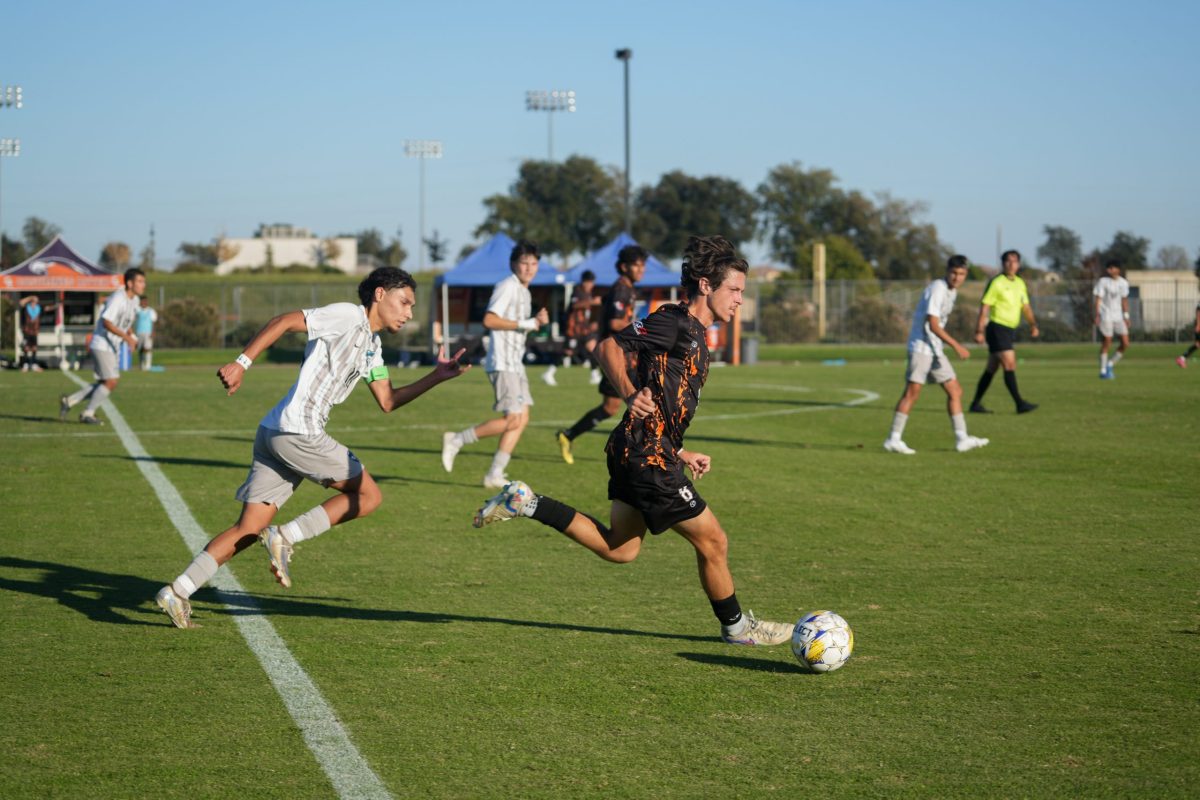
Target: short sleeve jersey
{"x": 120, "y": 309}
{"x": 146, "y": 317}
{"x": 618, "y": 305}
{"x": 579, "y": 322}
{"x": 1111, "y": 292}
{"x": 341, "y": 350}
{"x": 506, "y": 349}
{"x": 936, "y": 301}
{"x": 1006, "y": 297}
{"x": 673, "y": 363}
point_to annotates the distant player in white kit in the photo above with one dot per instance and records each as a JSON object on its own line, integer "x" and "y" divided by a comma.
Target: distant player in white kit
{"x": 1112, "y": 316}
{"x": 114, "y": 326}
{"x": 927, "y": 361}
{"x": 291, "y": 444}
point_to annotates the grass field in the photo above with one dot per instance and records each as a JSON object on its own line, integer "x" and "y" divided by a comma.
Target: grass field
{"x": 1026, "y": 616}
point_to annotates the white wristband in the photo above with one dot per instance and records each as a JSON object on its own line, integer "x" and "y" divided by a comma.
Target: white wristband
{"x": 1125, "y": 314}
{"x": 244, "y": 360}
{"x": 530, "y": 324}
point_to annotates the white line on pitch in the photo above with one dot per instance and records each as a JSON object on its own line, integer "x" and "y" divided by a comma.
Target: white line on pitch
{"x": 348, "y": 771}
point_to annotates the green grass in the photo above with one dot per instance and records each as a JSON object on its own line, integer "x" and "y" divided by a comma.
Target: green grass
{"x": 1026, "y": 616}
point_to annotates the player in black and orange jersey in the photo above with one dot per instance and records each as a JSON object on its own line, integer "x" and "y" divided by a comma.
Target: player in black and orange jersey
{"x": 616, "y": 315}
{"x": 648, "y": 484}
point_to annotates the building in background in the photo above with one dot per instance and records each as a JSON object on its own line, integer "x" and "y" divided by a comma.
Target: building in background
{"x": 282, "y": 245}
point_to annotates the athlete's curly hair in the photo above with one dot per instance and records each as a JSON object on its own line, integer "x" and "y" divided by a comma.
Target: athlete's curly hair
{"x": 387, "y": 277}
{"x": 710, "y": 257}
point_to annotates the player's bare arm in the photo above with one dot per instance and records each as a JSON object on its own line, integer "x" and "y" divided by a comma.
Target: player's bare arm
{"x": 494, "y": 322}
{"x": 612, "y": 361}
{"x": 391, "y": 397}
{"x": 935, "y": 326}
{"x": 292, "y": 322}
{"x": 981, "y": 324}
{"x": 698, "y": 463}
{"x": 1027, "y": 310}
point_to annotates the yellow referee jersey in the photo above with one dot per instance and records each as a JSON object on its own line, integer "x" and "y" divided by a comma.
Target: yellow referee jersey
{"x": 1006, "y": 297}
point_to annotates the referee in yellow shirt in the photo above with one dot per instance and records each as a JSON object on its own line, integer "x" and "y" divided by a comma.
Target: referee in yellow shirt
{"x": 1004, "y": 301}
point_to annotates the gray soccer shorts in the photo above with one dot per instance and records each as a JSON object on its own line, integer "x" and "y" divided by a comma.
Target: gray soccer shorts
{"x": 1113, "y": 327}
{"x": 104, "y": 364}
{"x": 928, "y": 368}
{"x": 512, "y": 391}
{"x": 283, "y": 460}
{"x": 145, "y": 341}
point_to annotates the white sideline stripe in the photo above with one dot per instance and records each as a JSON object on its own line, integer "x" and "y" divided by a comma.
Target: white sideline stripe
{"x": 348, "y": 771}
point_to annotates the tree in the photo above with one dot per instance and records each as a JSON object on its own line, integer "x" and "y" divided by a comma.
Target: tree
{"x": 681, "y": 205}
{"x": 38, "y": 233}
{"x": 436, "y": 247}
{"x": 568, "y": 207}
{"x": 1131, "y": 252}
{"x": 1171, "y": 256}
{"x": 1197, "y": 265}
{"x": 146, "y": 258}
{"x": 394, "y": 254}
{"x": 842, "y": 261}
{"x": 1062, "y": 250}
{"x": 12, "y": 252}
{"x": 328, "y": 250}
{"x": 794, "y": 203}
{"x": 116, "y": 256}
{"x": 199, "y": 252}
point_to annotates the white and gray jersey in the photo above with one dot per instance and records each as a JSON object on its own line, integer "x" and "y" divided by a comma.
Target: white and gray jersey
{"x": 506, "y": 349}
{"x": 937, "y": 300}
{"x": 121, "y": 310}
{"x": 341, "y": 350}
{"x": 1111, "y": 292}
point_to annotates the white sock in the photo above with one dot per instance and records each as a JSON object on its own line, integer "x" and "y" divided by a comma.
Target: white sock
{"x": 1116, "y": 357}
{"x": 1104, "y": 362}
{"x": 98, "y": 396}
{"x": 550, "y": 370}
{"x": 737, "y": 628}
{"x": 499, "y": 462}
{"x": 898, "y": 423}
{"x": 198, "y": 573}
{"x": 960, "y": 426}
{"x": 81, "y": 395}
{"x": 466, "y": 437}
{"x": 309, "y": 525}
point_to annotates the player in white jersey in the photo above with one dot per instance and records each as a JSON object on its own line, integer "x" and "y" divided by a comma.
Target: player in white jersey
{"x": 1112, "y": 316}
{"x": 927, "y": 361}
{"x": 291, "y": 444}
{"x": 113, "y": 326}
{"x": 508, "y": 319}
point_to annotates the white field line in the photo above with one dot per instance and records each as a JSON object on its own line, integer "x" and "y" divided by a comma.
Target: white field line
{"x": 348, "y": 771}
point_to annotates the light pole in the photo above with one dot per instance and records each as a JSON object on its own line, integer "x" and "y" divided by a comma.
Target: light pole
{"x": 10, "y": 97}
{"x": 624, "y": 55}
{"x": 550, "y": 101}
{"x": 422, "y": 149}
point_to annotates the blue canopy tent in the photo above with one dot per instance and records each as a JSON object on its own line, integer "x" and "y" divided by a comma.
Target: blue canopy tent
{"x": 603, "y": 263}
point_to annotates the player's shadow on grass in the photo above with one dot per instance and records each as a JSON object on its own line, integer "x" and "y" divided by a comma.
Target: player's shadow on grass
{"x": 783, "y": 402}
{"x": 99, "y": 596}
{"x": 26, "y": 418}
{"x": 741, "y": 662}
{"x": 185, "y": 462}
{"x": 787, "y": 445}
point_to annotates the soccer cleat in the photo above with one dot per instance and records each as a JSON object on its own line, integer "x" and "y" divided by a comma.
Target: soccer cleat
{"x": 1112, "y": 376}
{"x": 64, "y": 407}
{"x": 594, "y": 379}
{"x": 177, "y": 608}
{"x": 977, "y": 408}
{"x": 1181, "y": 361}
{"x": 505, "y": 505}
{"x": 449, "y": 450}
{"x": 970, "y": 443}
{"x": 564, "y": 447}
{"x": 280, "y": 552}
{"x": 761, "y": 632}
{"x": 1024, "y": 407}
{"x": 90, "y": 419}
{"x": 897, "y": 446}
{"x": 495, "y": 481}
{"x": 548, "y": 376}
{"x": 1106, "y": 376}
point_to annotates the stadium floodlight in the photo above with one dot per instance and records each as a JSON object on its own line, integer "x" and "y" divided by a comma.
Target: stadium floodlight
{"x": 550, "y": 101}
{"x": 422, "y": 149}
{"x": 9, "y": 148}
{"x": 10, "y": 97}
{"x": 623, "y": 55}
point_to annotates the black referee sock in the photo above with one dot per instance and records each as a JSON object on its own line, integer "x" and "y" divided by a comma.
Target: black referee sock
{"x": 985, "y": 381}
{"x": 587, "y": 422}
{"x": 1010, "y": 380}
{"x": 728, "y": 611}
{"x": 553, "y": 513}
{"x": 1189, "y": 352}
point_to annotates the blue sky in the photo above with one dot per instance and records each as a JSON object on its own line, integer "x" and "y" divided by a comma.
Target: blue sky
{"x": 205, "y": 118}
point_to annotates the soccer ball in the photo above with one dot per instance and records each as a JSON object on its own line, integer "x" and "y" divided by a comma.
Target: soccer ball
{"x": 822, "y": 641}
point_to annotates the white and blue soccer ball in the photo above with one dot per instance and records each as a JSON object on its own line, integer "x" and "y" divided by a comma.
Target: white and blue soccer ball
{"x": 822, "y": 641}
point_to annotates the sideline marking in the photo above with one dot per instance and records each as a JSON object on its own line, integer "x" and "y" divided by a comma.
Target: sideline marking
{"x": 347, "y": 770}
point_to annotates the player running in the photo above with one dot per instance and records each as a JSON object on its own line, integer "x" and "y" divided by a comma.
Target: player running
{"x": 291, "y": 444}
{"x": 927, "y": 361}
{"x": 1183, "y": 359}
{"x": 1112, "y": 316}
{"x": 646, "y": 458}
{"x": 115, "y": 325}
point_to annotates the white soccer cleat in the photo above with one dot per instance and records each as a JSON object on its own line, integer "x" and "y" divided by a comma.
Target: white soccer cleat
{"x": 280, "y": 552}
{"x": 177, "y": 608}
{"x": 494, "y": 481}
{"x": 505, "y": 505}
{"x": 449, "y": 451}
{"x": 548, "y": 376}
{"x": 761, "y": 632}
{"x": 64, "y": 407}
{"x": 970, "y": 443}
{"x": 897, "y": 446}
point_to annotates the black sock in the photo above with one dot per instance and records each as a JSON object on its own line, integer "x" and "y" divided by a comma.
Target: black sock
{"x": 728, "y": 611}
{"x": 1189, "y": 352}
{"x": 1010, "y": 380}
{"x": 985, "y": 381}
{"x": 553, "y": 513}
{"x": 588, "y": 421}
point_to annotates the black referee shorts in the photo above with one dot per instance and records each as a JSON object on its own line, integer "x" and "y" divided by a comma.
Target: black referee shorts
{"x": 1000, "y": 337}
